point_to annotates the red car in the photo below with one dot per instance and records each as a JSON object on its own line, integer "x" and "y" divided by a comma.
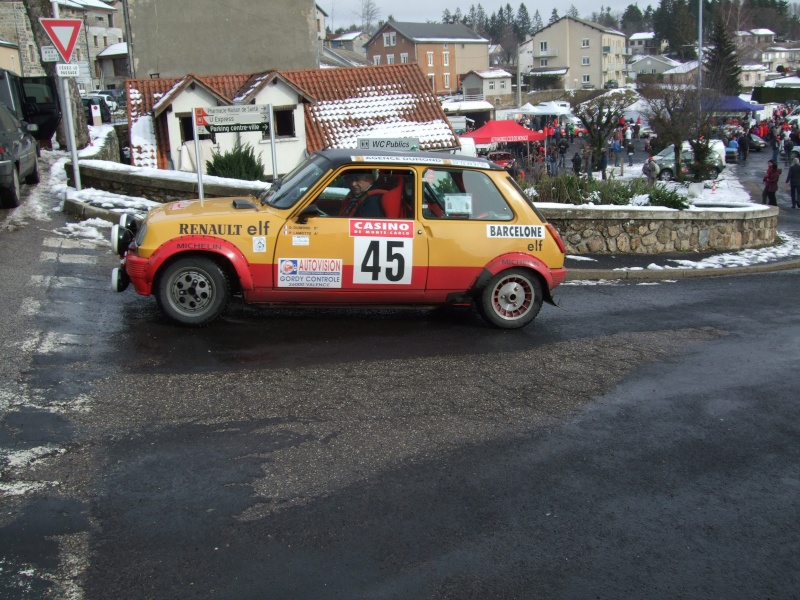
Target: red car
{"x": 501, "y": 159}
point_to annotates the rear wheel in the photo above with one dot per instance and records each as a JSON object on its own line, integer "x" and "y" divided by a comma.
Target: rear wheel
{"x": 11, "y": 195}
{"x": 193, "y": 291}
{"x": 33, "y": 177}
{"x": 511, "y": 299}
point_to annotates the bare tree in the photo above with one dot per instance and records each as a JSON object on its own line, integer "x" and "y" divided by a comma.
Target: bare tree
{"x": 678, "y": 113}
{"x": 601, "y": 116}
{"x": 369, "y": 15}
{"x": 43, "y": 8}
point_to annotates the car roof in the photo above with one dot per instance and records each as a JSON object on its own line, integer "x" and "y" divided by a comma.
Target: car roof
{"x": 338, "y": 158}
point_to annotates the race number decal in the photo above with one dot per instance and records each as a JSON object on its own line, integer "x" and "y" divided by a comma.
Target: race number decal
{"x": 382, "y": 260}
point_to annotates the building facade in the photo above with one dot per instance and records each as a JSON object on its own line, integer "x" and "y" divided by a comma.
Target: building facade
{"x": 234, "y": 36}
{"x": 580, "y": 53}
{"x": 444, "y": 52}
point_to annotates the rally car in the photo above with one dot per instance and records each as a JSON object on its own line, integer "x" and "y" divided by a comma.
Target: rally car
{"x": 433, "y": 229}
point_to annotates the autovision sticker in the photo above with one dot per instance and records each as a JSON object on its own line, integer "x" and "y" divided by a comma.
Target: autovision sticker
{"x": 535, "y": 232}
{"x": 310, "y": 272}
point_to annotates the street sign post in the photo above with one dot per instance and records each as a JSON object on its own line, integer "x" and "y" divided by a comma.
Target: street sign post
{"x": 238, "y": 118}
{"x": 64, "y": 35}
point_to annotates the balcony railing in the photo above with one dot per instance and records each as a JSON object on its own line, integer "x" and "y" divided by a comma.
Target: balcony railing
{"x": 606, "y": 49}
{"x": 545, "y": 53}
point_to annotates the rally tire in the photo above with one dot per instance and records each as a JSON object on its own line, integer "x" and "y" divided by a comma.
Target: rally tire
{"x": 193, "y": 291}
{"x": 33, "y": 177}
{"x": 511, "y": 299}
{"x": 11, "y": 196}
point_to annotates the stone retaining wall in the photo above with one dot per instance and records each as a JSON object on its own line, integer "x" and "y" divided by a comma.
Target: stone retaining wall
{"x": 144, "y": 183}
{"x": 584, "y": 230}
{"x": 599, "y": 231}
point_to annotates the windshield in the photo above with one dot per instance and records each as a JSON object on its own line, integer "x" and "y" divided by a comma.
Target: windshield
{"x": 286, "y": 191}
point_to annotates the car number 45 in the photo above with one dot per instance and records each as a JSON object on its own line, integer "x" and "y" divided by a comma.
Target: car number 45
{"x": 382, "y": 261}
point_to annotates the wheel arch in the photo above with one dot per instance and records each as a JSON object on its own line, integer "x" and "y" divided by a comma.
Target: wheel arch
{"x": 517, "y": 260}
{"x": 223, "y": 252}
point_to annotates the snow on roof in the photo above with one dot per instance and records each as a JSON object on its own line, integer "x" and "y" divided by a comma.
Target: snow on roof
{"x": 115, "y": 50}
{"x": 144, "y": 152}
{"x": 537, "y": 72}
{"x": 645, "y": 35}
{"x": 84, "y": 4}
{"x": 753, "y": 67}
{"x": 762, "y": 32}
{"x": 467, "y": 105}
{"x": 684, "y": 68}
{"x": 492, "y": 74}
{"x": 783, "y": 82}
{"x": 348, "y": 37}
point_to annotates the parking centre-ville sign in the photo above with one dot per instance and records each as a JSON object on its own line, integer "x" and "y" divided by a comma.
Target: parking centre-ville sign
{"x": 232, "y": 119}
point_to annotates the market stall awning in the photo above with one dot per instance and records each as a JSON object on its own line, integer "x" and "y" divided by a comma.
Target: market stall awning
{"x": 729, "y": 104}
{"x": 503, "y": 131}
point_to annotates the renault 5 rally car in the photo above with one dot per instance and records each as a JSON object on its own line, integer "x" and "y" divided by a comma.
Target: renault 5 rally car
{"x": 431, "y": 229}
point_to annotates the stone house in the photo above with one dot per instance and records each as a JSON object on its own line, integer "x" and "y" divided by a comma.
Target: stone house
{"x": 9, "y": 56}
{"x": 580, "y": 53}
{"x": 444, "y": 52}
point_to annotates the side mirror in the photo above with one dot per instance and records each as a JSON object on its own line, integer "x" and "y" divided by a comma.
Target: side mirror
{"x": 312, "y": 210}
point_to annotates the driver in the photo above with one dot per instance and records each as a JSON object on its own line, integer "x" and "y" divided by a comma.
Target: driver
{"x": 361, "y": 201}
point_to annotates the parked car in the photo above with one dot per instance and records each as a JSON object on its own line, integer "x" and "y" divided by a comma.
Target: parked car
{"x": 110, "y": 96}
{"x": 18, "y": 157}
{"x": 441, "y": 230}
{"x": 501, "y": 158}
{"x": 665, "y": 160}
{"x": 611, "y": 84}
{"x": 33, "y": 100}
{"x": 756, "y": 142}
{"x": 105, "y": 112}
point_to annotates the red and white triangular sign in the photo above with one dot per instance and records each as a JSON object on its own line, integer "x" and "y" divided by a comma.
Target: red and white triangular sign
{"x": 63, "y": 33}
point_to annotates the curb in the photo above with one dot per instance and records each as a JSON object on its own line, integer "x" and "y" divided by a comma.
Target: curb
{"x": 85, "y": 211}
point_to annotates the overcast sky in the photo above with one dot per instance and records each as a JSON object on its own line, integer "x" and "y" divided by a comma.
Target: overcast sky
{"x": 342, "y": 13}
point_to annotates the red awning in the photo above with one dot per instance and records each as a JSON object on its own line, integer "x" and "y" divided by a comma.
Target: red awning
{"x": 503, "y": 131}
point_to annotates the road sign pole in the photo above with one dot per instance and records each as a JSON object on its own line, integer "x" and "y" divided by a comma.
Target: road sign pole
{"x": 66, "y": 109}
{"x": 197, "y": 158}
{"x": 272, "y": 144}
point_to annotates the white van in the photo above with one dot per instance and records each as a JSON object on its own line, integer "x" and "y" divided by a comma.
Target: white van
{"x": 467, "y": 147}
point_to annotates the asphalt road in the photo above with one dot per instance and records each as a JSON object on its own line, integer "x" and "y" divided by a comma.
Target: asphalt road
{"x": 638, "y": 442}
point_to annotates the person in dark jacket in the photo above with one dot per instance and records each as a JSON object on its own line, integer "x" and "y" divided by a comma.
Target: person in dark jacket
{"x": 793, "y": 182}
{"x": 771, "y": 183}
{"x": 576, "y": 163}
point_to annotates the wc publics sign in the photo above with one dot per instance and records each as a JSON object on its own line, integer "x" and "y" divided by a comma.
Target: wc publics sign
{"x": 232, "y": 119}
{"x": 391, "y": 144}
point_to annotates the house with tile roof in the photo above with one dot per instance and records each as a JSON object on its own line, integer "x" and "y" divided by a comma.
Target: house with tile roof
{"x": 579, "y": 53}
{"x": 685, "y": 73}
{"x": 313, "y": 109}
{"x": 445, "y": 52}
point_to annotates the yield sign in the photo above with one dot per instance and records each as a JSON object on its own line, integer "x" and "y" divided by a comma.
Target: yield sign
{"x": 63, "y": 33}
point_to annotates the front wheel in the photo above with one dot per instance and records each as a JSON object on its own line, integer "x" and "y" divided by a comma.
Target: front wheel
{"x": 193, "y": 291}
{"x": 511, "y": 299}
{"x": 33, "y": 177}
{"x": 665, "y": 175}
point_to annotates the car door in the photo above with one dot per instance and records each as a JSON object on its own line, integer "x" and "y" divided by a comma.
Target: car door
{"x": 324, "y": 250}
{"x": 463, "y": 212}
{"x": 23, "y": 147}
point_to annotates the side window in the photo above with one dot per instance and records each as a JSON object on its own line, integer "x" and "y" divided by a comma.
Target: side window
{"x": 369, "y": 194}
{"x": 462, "y": 195}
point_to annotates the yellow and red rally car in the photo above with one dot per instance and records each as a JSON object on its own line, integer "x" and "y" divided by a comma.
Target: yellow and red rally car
{"x": 350, "y": 227}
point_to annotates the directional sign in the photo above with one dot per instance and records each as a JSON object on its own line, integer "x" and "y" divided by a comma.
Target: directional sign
{"x": 63, "y": 33}
{"x": 232, "y": 119}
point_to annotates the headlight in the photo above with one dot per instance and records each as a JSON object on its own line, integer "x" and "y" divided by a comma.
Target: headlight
{"x": 121, "y": 238}
{"x": 128, "y": 221}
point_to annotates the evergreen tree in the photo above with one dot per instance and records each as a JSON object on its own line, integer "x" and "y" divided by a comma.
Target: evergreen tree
{"x": 721, "y": 63}
{"x": 480, "y": 20}
{"x": 632, "y": 20}
{"x": 536, "y": 23}
{"x": 673, "y": 22}
{"x": 572, "y": 11}
{"x": 457, "y": 16}
{"x": 446, "y": 16}
{"x": 472, "y": 18}
{"x": 522, "y": 27}
{"x": 553, "y": 17}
